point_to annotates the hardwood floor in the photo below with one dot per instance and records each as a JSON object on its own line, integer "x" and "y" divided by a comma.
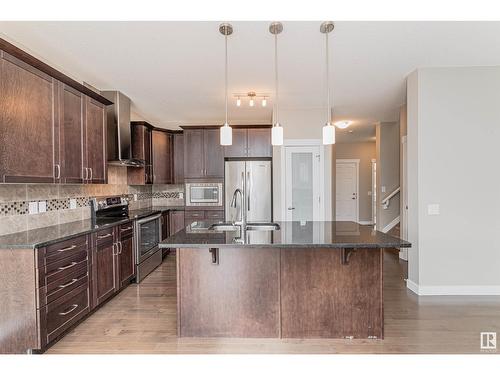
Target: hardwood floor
{"x": 142, "y": 319}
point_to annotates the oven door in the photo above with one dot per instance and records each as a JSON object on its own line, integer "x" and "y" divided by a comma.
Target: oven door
{"x": 148, "y": 234}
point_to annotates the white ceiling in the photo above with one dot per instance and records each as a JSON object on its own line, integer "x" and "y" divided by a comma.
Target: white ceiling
{"x": 173, "y": 71}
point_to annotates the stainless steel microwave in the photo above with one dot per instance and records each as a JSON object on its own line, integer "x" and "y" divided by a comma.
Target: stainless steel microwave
{"x": 204, "y": 194}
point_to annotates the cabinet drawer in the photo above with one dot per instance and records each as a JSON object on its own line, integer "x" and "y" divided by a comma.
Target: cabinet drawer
{"x": 64, "y": 267}
{"x": 218, "y": 215}
{"x": 64, "y": 249}
{"x": 194, "y": 214}
{"x": 61, "y": 313}
{"x": 104, "y": 236}
{"x": 64, "y": 284}
{"x": 126, "y": 229}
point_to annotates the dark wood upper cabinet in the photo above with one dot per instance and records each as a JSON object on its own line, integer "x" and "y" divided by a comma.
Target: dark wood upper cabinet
{"x": 239, "y": 147}
{"x": 141, "y": 149}
{"x": 95, "y": 141}
{"x": 52, "y": 129}
{"x": 203, "y": 154}
{"x": 70, "y": 158}
{"x": 259, "y": 142}
{"x": 178, "y": 158}
{"x": 162, "y": 153}
{"x": 214, "y": 154}
{"x": 193, "y": 153}
{"x": 27, "y": 122}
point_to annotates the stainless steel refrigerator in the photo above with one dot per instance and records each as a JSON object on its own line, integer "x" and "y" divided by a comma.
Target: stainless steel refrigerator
{"x": 255, "y": 177}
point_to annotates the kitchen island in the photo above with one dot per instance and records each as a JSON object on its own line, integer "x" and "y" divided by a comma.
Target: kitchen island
{"x": 294, "y": 280}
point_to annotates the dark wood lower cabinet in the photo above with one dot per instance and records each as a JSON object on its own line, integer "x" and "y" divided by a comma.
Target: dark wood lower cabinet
{"x": 57, "y": 286}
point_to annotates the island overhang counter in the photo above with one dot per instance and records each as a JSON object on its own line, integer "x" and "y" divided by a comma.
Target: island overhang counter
{"x": 303, "y": 280}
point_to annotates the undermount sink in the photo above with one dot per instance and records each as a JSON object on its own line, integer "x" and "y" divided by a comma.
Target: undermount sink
{"x": 229, "y": 227}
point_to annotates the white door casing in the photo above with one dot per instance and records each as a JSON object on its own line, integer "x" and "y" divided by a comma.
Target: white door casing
{"x": 403, "y": 253}
{"x": 347, "y": 190}
{"x": 303, "y": 183}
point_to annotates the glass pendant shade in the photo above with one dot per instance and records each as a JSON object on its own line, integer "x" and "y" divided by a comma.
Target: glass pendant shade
{"x": 328, "y": 134}
{"x": 277, "y": 135}
{"x": 226, "y": 135}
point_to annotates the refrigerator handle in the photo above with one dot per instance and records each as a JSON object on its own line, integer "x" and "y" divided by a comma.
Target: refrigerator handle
{"x": 249, "y": 190}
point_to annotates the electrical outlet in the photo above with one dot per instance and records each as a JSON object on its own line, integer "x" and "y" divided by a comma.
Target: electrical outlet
{"x": 42, "y": 206}
{"x": 181, "y": 195}
{"x": 33, "y": 208}
{"x": 433, "y": 209}
{"x": 135, "y": 197}
{"x": 72, "y": 203}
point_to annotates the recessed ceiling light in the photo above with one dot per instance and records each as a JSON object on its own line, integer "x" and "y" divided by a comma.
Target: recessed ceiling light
{"x": 343, "y": 124}
{"x": 350, "y": 131}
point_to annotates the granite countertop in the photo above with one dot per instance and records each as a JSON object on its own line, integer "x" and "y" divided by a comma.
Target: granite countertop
{"x": 40, "y": 237}
{"x": 331, "y": 234}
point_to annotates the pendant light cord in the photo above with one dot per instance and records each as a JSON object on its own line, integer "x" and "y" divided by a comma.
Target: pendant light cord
{"x": 276, "y": 77}
{"x": 225, "y": 39}
{"x": 328, "y": 107}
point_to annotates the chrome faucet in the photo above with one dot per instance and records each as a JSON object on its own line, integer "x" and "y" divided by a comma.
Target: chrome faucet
{"x": 243, "y": 212}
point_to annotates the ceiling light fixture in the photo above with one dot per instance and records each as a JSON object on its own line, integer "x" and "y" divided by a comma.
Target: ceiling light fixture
{"x": 238, "y": 102}
{"x": 226, "y": 133}
{"x": 251, "y": 102}
{"x": 264, "y": 102}
{"x": 343, "y": 124}
{"x": 277, "y": 131}
{"x": 328, "y": 129}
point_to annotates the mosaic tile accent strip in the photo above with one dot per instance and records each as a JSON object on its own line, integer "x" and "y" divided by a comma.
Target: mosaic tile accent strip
{"x": 166, "y": 194}
{"x": 21, "y": 207}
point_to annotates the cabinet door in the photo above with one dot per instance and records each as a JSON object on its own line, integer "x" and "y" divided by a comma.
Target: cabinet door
{"x": 27, "y": 123}
{"x": 104, "y": 272}
{"x": 259, "y": 143}
{"x": 162, "y": 172}
{"x": 126, "y": 260}
{"x": 193, "y": 153}
{"x": 178, "y": 158}
{"x": 176, "y": 221}
{"x": 165, "y": 227}
{"x": 213, "y": 154}
{"x": 95, "y": 136}
{"x": 141, "y": 149}
{"x": 239, "y": 146}
{"x": 70, "y": 135}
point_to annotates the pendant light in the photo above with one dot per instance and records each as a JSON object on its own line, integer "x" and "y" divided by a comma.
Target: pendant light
{"x": 277, "y": 131}
{"x": 226, "y": 132}
{"x": 329, "y": 128}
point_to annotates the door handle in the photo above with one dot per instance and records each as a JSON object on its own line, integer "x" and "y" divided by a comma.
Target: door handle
{"x": 249, "y": 187}
{"x": 68, "y": 266}
{"x": 90, "y": 174}
{"x": 120, "y": 246}
{"x": 62, "y": 286}
{"x": 67, "y": 249}
{"x": 58, "y": 169}
{"x": 104, "y": 236}
{"x": 86, "y": 174}
{"x": 291, "y": 208}
{"x": 72, "y": 308}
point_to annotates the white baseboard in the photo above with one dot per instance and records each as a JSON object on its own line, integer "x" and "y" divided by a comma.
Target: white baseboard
{"x": 365, "y": 222}
{"x": 391, "y": 225}
{"x": 454, "y": 290}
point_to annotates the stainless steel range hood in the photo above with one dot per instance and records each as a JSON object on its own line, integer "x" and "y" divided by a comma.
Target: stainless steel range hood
{"x": 119, "y": 138}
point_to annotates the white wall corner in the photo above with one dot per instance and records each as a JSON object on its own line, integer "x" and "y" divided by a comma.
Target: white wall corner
{"x": 453, "y": 290}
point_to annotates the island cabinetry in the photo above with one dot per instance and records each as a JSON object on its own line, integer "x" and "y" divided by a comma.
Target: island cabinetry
{"x": 335, "y": 300}
{"x": 238, "y": 297}
{"x": 198, "y": 215}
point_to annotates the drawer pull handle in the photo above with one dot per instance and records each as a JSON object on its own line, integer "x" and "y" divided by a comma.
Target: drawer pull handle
{"x": 68, "y": 266}
{"x": 105, "y": 236}
{"x": 62, "y": 286}
{"x": 127, "y": 228}
{"x": 71, "y": 309}
{"x": 67, "y": 248}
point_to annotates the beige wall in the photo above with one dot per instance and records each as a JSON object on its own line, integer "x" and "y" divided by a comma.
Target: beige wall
{"x": 388, "y": 141}
{"x": 365, "y": 152}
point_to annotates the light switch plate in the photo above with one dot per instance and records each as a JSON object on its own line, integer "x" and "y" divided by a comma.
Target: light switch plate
{"x": 72, "y": 203}
{"x": 42, "y": 206}
{"x": 135, "y": 197}
{"x": 383, "y": 189}
{"x": 181, "y": 195}
{"x": 369, "y": 193}
{"x": 433, "y": 209}
{"x": 33, "y": 208}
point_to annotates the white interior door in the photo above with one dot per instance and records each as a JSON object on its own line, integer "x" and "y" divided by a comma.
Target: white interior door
{"x": 347, "y": 203}
{"x": 303, "y": 184}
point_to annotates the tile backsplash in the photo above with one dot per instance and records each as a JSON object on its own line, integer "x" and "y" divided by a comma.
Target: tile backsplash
{"x": 55, "y": 200}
